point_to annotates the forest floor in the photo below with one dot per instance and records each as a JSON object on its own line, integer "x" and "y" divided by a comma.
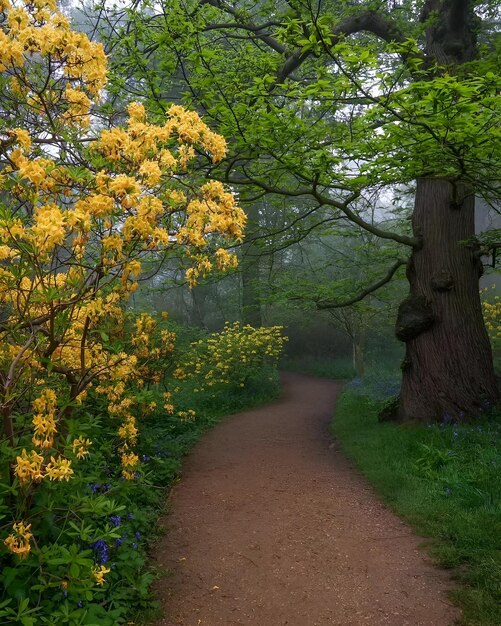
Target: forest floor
{"x": 270, "y": 525}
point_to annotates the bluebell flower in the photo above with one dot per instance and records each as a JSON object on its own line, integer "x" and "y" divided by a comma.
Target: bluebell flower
{"x": 118, "y": 542}
{"x": 116, "y": 520}
{"x": 130, "y": 515}
{"x": 100, "y": 548}
{"x": 134, "y": 545}
{"x": 447, "y": 419}
{"x": 138, "y": 534}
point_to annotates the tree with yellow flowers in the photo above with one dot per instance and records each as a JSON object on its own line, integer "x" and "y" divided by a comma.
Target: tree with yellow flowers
{"x": 80, "y": 210}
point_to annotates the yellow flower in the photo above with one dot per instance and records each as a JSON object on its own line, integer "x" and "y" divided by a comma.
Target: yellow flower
{"x": 81, "y": 447}
{"x": 22, "y": 137}
{"x": 19, "y": 541}
{"x": 78, "y": 107}
{"x": 151, "y": 171}
{"x": 44, "y": 419}
{"x": 99, "y": 572}
{"x": 136, "y": 111}
{"x": 128, "y": 430}
{"x": 48, "y": 229}
{"x": 59, "y": 469}
{"x": 130, "y": 463}
{"x": 29, "y": 468}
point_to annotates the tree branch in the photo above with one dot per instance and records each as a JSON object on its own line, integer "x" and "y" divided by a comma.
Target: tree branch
{"x": 374, "y": 287}
{"x": 413, "y": 242}
{"x": 247, "y": 25}
{"x": 368, "y": 21}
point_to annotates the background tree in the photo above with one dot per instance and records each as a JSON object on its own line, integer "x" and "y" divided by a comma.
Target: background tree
{"x": 333, "y": 100}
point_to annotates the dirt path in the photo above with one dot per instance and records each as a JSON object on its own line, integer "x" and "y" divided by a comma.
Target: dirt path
{"x": 271, "y": 526}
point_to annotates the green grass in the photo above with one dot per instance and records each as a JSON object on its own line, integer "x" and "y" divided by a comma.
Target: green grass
{"x": 324, "y": 367}
{"x": 445, "y": 481}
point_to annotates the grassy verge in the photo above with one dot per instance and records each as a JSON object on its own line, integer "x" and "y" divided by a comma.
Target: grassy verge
{"x": 445, "y": 481}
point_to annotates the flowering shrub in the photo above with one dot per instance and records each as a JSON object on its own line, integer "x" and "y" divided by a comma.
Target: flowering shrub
{"x": 491, "y": 307}
{"x": 75, "y": 226}
{"x": 231, "y": 357}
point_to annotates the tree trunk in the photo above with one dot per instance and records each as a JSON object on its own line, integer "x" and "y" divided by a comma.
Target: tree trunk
{"x": 358, "y": 359}
{"x": 448, "y": 372}
{"x": 359, "y": 342}
{"x": 199, "y": 295}
{"x": 251, "y": 296}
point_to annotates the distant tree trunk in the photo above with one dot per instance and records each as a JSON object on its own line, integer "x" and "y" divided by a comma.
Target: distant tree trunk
{"x": 359, "y": 340}
{"x": 199, "y": 295}
{"x": 251, "y": 291}
{"x": 358, "y": 359}
{"x": 448, "y": 371}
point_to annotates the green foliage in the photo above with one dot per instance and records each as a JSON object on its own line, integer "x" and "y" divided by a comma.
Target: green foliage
{"x": 444, "y": 479}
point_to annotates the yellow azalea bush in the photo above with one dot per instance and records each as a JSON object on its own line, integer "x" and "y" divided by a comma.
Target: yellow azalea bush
{"x": 231, "y": 357}
{"x": 491, "y": 307}
{"x": 80, "y": 211}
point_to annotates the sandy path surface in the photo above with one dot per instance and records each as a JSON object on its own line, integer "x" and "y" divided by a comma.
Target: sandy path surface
{"x": 271, "y": 526}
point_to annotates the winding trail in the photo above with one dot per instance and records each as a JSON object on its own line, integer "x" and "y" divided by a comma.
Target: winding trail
{"x": 271, "y": 526}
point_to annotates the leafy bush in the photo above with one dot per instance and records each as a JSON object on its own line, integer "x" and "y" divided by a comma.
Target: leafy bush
{"x": 491, "y": 307}
{"x": 232, "y": 357}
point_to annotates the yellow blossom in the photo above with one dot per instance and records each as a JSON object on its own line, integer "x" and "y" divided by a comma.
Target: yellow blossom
{"x": 130, "y": 463}
{"x": 18, "y": 542}
{"x": 44, "y": 423}
{"x": 81, "y": 447}
{"x": 136, "y": 111}
{"x": 59, "y": 469}
{"x": 99, "y": 573}
{"x": 29, "y": 467}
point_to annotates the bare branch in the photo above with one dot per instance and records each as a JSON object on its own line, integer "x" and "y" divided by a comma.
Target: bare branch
{"x": 248, "y": 25}
{"x": 413, "y": 242}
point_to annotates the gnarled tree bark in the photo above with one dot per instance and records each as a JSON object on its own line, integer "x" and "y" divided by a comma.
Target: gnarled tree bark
{"x": 447, "y": 372}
